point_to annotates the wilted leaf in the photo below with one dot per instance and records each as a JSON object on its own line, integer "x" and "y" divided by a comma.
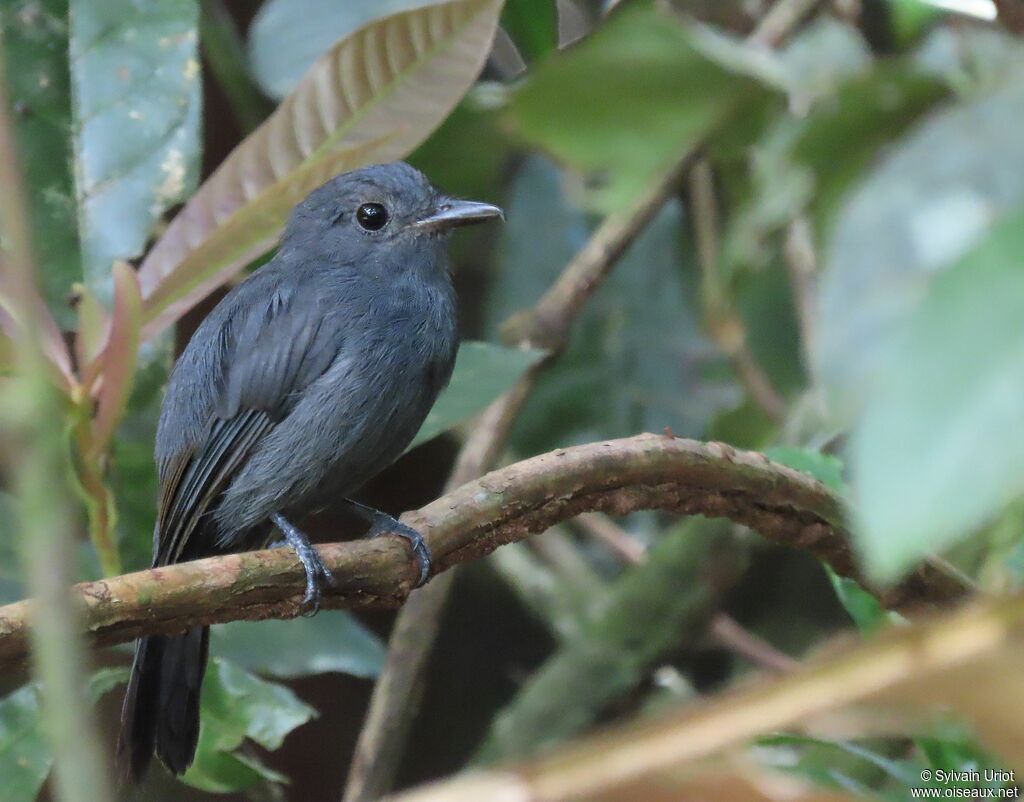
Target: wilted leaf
{"x": 331, "y": 641}
{"x": 940, "y": 446}
{"x": 482, "y": 373}
{"x": 237, "y": 705}
{"x": 135, "y": 72}
{"x": 36, "y": 55}
{"x": 913, "y": 217}
{"x": 287, "y": 36}
{"x": 373, "y": 97}
{"x": 587, "y": 106}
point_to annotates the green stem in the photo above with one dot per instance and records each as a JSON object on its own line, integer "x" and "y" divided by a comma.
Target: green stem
{"x": 100, "y": 506}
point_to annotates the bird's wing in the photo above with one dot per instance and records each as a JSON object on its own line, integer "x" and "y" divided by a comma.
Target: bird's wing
{"x": 271, "y": 351}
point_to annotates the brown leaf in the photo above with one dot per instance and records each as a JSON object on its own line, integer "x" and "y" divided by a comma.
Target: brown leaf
{"x": 372, "y": 98}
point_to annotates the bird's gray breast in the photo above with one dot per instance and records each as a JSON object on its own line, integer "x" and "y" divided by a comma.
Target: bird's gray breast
{"x": 361, "y": 413}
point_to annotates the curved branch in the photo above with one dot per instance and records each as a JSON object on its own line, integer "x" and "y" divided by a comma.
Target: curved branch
{"x": 617, "y": 477}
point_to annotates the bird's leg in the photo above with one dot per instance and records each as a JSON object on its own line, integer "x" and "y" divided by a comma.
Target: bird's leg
{"x": 317, "y": 575}
{"x": 381, "y": 524}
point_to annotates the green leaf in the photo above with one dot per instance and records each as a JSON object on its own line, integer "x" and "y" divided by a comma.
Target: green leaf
{"x": 482, "y": 373}
{"x": 587, "y": 107}
{"x": 287, "y": 36}
{"x": 826, "y": 468}
{"x": 940, "y": 446}
{"x": 912, "y": 218}
{"x": 36, "y": 54}
{"x": 25, "y": 756}
{"x": 373, "y": 97}
{"x": 866, "y": 611}
{"x": 532, "y": 25}
{"x": 237, "y": 705}
{"x": 331, "y": 641}
{"x": 135, "y": 75}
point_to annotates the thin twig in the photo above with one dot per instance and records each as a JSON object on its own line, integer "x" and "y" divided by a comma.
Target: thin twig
{"x": 724, "y": 322}
{"x": 780, "y": 21}
{"x": 737, "y": 639}
{"x": 394, "y": 700}
{"x": 618, "y": 540}
{"x": 617, "y": 477}
{"x": 802, "y": 266}
{"x": 34, "y": 413}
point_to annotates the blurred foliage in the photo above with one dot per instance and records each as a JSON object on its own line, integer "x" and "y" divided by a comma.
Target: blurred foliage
{"x": 25, "y": 755}
{"x": 892, "y": 337}
{"x": 135, "y": 123}
{"x": 36, "y": 52}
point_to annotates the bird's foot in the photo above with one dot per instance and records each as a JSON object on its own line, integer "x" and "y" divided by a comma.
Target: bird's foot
{"x": 383, "y": 524}
{"x": 317, "y": 574}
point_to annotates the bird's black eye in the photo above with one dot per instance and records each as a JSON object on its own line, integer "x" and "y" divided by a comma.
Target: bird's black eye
{"x": 372, "y": 216}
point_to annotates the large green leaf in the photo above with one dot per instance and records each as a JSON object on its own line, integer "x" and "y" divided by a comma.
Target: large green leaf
{"x": 913, "y": 217}
{"x": 287, "y": 36}
{"x": 632, "y": 98}
{"x": 135, "y": 75}
{"x": 940, "y": 446}
{"x": 372, "y": 97}
{"x": 36, "y": 51}
{"x": 236, "y": 706}
{"x": 331, "y": 641}
{"x": 482, "y": 373}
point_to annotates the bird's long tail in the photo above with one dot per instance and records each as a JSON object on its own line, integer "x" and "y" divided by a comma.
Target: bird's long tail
{"x": 161, "y": 705}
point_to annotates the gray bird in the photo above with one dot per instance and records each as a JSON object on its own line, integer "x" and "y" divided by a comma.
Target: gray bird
{"x": 310, "y": 377}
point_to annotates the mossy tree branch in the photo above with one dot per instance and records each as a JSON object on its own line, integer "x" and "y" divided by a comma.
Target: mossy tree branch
{"x": 617, "y": 477}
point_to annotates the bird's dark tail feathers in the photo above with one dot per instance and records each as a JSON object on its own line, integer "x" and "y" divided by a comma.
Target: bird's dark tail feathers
{"x": 161, "y": 705}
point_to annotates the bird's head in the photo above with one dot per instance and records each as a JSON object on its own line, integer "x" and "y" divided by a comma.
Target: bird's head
{"x": 386, "y": 210}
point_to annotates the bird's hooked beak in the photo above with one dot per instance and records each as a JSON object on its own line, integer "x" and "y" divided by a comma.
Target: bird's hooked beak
{"x": 451, "y": 213}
